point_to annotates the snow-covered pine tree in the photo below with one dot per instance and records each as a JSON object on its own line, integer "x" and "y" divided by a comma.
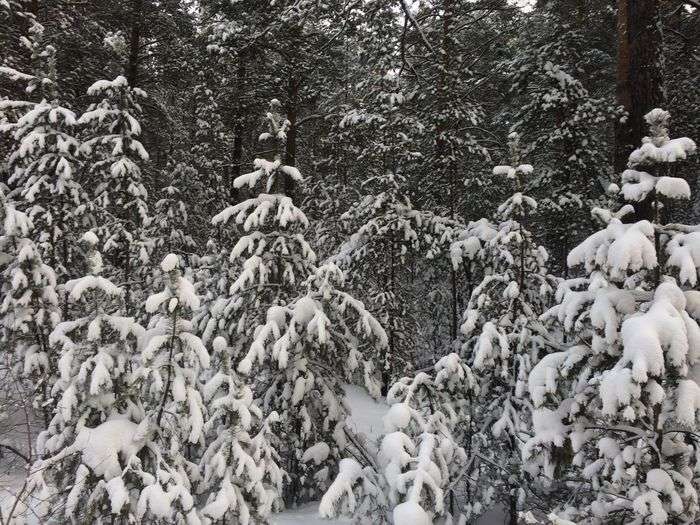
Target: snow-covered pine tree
{"x": 291, "y": 320}
{"x": 415, "y": 476}
{"x": 562, "y": 111}
{"x": 242, "y": 481}
{"x": 298, "y": 345}
{"x": 502, "y": 339}
{"x": 168, "y": 378}
{"x": 271, "y": 257}
{"x": 29, "y": 307}
{"x": 97, "y": 349}
{"x": 114, "y": 152}
{"x": 43, "y": 164}
{"x": 170, "y": 221}
{"x": 623, "y": 395}
{"x": 387, "y": 232}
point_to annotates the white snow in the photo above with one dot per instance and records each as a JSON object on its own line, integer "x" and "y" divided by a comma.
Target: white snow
{"x": 304, "y": 515}
{"x": 170, "y": 262}
{"x": 366, "y": 413}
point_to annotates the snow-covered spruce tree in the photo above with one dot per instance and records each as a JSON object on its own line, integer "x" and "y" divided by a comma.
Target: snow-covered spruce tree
{"x": 271, "y": 257}
{"x": 168, "y": 379}
{"x": 414, "y": 477}
{"x": 387, "y": 233}
{"x": 621, "y": 399}
{"x": 242, "y": 481}
{"x": 97, "y": 349}
{"x": 29, "y": 307}
{"x": 43, "y": 163}
{"x": 213, "y": 275}
{"x": 501, "y": 339}
{"x": 296, "y": 347}
{"x": 114, "y": 152}
{"x": 170, "y": 222}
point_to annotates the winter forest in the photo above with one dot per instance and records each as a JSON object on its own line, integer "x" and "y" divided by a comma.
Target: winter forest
{"x": 393, "y": 262}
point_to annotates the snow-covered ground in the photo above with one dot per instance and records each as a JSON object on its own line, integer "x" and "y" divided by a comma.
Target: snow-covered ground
{"x": 304, "y": 515}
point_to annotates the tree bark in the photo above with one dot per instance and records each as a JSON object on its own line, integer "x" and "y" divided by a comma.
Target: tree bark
{"x": 238, "y": 128}
{"x": 639, "y": 71}
{"x": 132, "y": 67}
{"x": 290, "y": 153}
{"x": 623, "y": 92}
{"x": 639, "y": 80}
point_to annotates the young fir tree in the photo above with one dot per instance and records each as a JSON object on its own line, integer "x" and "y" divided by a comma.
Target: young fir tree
{"x": 29, "y": 307}
{"x": 622, "y": 396}
{"x": 413, "y": 479}
{"x": 242, "y": 480}
{"x": 168, "y": 378}
{"x": 97, "y": 351}
{"x": 114, "y": 153}
{"x": 387, "y": 233}
{"x": 170, "y": 221}
{"x": 297, "y": 346}
{"x": 502, "y": 336}
{"x": 293, "y": 320}
{"x": 43, "y": 164}
{"x": 271, "y": 258}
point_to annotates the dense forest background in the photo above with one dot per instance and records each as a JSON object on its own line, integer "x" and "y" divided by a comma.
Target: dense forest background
{"x": 377, "y": 112}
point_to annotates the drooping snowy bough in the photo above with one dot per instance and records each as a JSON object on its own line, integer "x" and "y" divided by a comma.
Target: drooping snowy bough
{"x": 412, "y": 477}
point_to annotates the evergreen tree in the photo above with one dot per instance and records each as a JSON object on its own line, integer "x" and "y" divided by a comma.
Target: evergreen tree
{"x": 297, "y": 345}
{"x": 622, "y": 395}
{"x": 171, "y": 219}
{"x": 168, "y": 379}
{"x": 413, "y": 477}
{"x": 43, "y": 164}
{"x": 114, "y": 152}
{"x": 272, "y": 257}
{"x": 97, "y": 350}
{"x": 241, "y": 475}
{"x": 502, "y": 337}
{"x": 29, "y": 306}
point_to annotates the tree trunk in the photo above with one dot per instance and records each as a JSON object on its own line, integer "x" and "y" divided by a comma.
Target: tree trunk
{"x": 238, "y": 128}
{"x": 623, "y": 91}
{"x": 132, "y": 67}
{"x": 639, "y": 79}
{"x": 639, "y": 71}
{"x": 290, "y": 153}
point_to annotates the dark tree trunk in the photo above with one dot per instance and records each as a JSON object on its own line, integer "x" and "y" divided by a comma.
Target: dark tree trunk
{"x": 639, "y": 80}
{"x": 132, "y": 67}
{"x": 290, "y": 153}
{"x": 623, "y": 91}
{"x": 238, "y": 128}
{"x": 639, "y": 71}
